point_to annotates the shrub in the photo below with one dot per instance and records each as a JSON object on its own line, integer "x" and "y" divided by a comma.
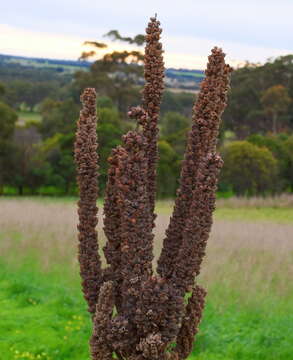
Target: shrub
{"x": 173, "y": 122}
{"x": 249, "y": 169}
{"x": 168, "y": 168}
{"x": 289, "y": 168}
{"x": 279, "y": 145}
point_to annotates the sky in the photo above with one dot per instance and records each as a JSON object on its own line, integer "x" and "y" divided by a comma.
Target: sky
{"x": 251, "y": 30}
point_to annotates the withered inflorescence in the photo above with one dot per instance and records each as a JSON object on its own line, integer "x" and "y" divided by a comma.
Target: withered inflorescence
{"x": 139, "y": 315}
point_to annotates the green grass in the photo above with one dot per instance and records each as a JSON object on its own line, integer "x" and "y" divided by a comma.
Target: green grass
{"x": 26, "y": 116}
{"x": 43, "y": 317}
{"x": 188, "y": 73}
{"x": 249, "y": 312}
{"x": 252, "y": 213}
{"x": 279, "y": 215}
{"x": 31, "y": 62}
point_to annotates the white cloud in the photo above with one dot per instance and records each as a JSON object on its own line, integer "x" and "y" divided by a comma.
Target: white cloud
{"x": 186, "y": 52}
{"x": 194, "y": 50}
{"x": 16, "y": 41}
{"x": 264, "y": 23}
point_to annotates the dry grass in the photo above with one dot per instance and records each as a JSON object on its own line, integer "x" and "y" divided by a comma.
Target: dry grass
{"x": 247, "y": 257}
{"x": 284, "y": 201}
{"x": 280, "y": 201}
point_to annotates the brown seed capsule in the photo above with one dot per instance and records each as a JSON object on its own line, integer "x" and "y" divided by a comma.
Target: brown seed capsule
{"x": 139, "y": 315}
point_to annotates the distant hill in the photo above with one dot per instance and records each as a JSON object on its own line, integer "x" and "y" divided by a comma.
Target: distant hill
{"x": 183, "y": 78}
{"x": 59, "y": 65}
{"x": 177, "y": 79}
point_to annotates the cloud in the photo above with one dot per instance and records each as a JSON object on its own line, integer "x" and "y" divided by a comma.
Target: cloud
{"x": 187, "y": 50}
{"x": 263, "y": 23}
{"x": 180, "y": 51}
{"x": 16, "y": 41}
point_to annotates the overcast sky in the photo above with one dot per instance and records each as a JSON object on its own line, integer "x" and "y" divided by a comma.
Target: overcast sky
{"x": 246, "y": 30}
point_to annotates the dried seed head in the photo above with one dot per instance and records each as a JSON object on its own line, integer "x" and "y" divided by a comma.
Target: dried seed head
{"x": 86, "y": 159}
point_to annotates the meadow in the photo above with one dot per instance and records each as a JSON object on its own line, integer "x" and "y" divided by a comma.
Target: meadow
{"x": 25, "y": 117}
{"x": 247, "y": 271}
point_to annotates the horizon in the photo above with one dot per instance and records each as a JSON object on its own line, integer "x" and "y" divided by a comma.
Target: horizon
{"x": 76, "y": 46}
{"x": 190, "y": 30}
{"x": 91, "y": 61}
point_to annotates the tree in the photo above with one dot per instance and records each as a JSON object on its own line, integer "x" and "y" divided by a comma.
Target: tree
{"x": 2, "y": 89}
{"x": 178, "y": 142}
{"x": 168, "y": 170}
{"x": 245, "y": 113}
{"x": 275, "y": 101}
{"x": 248, "y": 169}
{"x": 56, "y": 165}
{"x": 105, "y": 102}
{"x": 110, "y": 129}
{"x": 137, "y": 40}
{"x": 177, "y": 102}
{"x": 117, "y": 74}
{"x": 58, "y": 117}
{"x": 87, "y": 54}
{"x": 173, "y": 122}
{"x": 277, "y": 145}
{"x": 25, "y": 159}
{"x": 8, "y": 120}
{"x": 29, "y": 92}
{"x": 289, "y": 169}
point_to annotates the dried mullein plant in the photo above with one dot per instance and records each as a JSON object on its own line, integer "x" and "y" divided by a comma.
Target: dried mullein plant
{"x": 139, "y": 315}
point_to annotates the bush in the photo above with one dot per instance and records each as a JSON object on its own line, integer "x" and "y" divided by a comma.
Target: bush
{"x": 8, "y": 119}
{"x": 249, "y": 169}
{"x": 168, "y": 170}
{"x": 174, "y": 122}
{"x": 280, "y": 147}
{"x": 289, "y": 168}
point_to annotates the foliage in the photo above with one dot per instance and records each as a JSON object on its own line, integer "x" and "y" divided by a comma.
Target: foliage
{"x": 116, "y": 75}
{"x": 173, "y": 122}
{"x": 2, "y": 89}
{"x": 43, "y": 90}
{"x": 115, "y": 35}
{"x": 29, "y": 85}
{"x": 280, "y": 148}
{"x": 247, "y": 112}
{"x": 177, "y": 102}
{"x": 168, "y": 170}
{"x": 289, "y": 168}
{"x": 110, "y": 129}
{"x": 275, "y": 101}
{"x": 105, "y": 102}
{"x": 249, "y": 169}
{"x": 24, "y": 160}
{"x": 29, "y": 93}
{"x": 58, "y": 117}
{"x": 7, "y": 121}
{"x": 7, "y": 125}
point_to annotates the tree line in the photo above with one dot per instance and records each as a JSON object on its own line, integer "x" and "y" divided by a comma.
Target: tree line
{"x": 256, "y": 135}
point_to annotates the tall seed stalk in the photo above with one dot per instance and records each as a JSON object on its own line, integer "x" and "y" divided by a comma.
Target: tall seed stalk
{"x": 136, "y": 314}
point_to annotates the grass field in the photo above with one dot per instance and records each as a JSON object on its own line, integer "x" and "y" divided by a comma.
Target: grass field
{"x": 25, "y": 116}
{"x": 188, "y": 73}
{"x": 248, "y": 272}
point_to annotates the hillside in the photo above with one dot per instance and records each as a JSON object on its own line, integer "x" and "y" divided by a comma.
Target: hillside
{"x": 183, "y": 79}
